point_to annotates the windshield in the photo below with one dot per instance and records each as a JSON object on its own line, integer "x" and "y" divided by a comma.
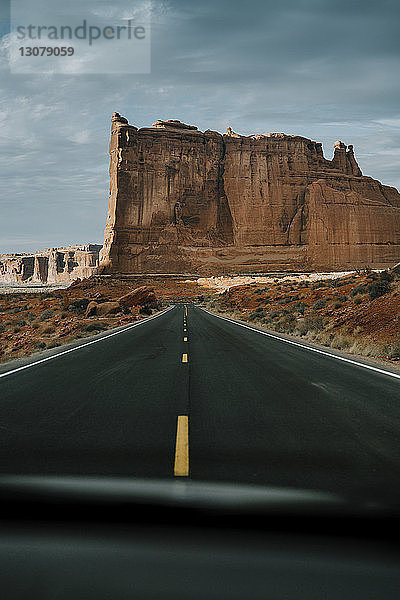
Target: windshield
{"x": 184, "y": 298}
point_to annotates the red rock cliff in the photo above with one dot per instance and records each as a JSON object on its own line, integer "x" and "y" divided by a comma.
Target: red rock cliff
{"x": 191, "y": 201}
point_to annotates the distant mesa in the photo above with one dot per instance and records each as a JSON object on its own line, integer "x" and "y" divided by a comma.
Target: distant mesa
{"x": 54, "y": 265}
{"x": 183, "y": 200}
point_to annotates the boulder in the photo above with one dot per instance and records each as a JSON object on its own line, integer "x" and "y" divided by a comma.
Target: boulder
{"x": 108, "y": 308}
{"x": 103, "y": 309}
{"x": 91, "y": 309}
{"x": 138, "y": 297}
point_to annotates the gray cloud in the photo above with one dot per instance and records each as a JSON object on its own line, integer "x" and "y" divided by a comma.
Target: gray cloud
{"x": 325, "y": 70}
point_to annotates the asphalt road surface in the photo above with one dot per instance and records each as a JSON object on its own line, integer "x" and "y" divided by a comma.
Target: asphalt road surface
{"x": 189, "y": 394}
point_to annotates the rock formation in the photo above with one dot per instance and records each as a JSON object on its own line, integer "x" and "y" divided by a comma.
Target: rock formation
{"x": 182, "y": 200}
{"x": 53, "y": 265}
{"x": 140, "y": 296}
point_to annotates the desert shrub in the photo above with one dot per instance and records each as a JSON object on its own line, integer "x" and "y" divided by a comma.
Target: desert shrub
{"x": 18, "y": 309}
{"x": 64, "y": 315}
{"x": 299, "y": 307}
{"x": 386, "y": 276}
{"x": 286, "y": 324}
{"x": 312, "y": 323}
{"x": 145, "y": 310}
{"x": 2, "y": 328}
{"x": 275, "y": 314}
{"x": 19, "y": 323}
{"x": 96, "y": 326}
{"x": 47, "y": 314}
{"x": 343, "y": 298}
{"x": 393, "y": 351}
{"x": 40, "y": 345}
{"x": 341, "y": 341}
{"x": 358, "y": 299}
{"x": 78, "y": 306}
{"x": 258, "y": 313}
{"x": 359, "y": 289}
{"x": 315, "y": 323}
{"x": 301, "y": 327}
{"x": 378, "y": 288}
{"x": 366, "y": 347}
{"x": 255, "y": 314}
{"x": 54, "y": 345}
{"x": 48, "y": 330}
{"x": 35, "y": 325}
{"x": 318, "y": 285}
{"x": 153, "y": 305}
{"x": 289, "y": 299}
{"x": 337, "y": 305}
{"x": 30, "y": 316}
{"x": 17, "y": 329}
{"x": 320, "y": 304}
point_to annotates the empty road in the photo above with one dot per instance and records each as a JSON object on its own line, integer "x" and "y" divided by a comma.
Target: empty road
{"x": 189, "y": 394}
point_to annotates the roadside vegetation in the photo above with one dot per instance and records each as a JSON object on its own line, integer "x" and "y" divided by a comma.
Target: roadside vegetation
{"x": 358, "y": 313}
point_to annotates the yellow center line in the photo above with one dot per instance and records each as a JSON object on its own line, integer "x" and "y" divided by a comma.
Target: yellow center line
{"x": 185, "y": 339}
{"x": 181, "y": 466}
{"x": 184, "y": 358}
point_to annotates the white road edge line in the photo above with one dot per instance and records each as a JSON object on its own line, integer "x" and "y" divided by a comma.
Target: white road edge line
{"x": 105, "y": 337}
{"x": 316, "y": 350}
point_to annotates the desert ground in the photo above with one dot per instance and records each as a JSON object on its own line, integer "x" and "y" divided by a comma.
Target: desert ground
{"x": 356, "y": 312}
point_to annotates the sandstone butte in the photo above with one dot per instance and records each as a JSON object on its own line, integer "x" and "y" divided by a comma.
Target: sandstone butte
{"x": 54, "y": 265}
{"x": 186, "y": 201}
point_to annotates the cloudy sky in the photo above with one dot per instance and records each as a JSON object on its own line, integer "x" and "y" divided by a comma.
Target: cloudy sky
{"x": 324, "y": 69}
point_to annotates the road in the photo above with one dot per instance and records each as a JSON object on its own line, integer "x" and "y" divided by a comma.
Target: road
{"x": 189, "y": 394}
